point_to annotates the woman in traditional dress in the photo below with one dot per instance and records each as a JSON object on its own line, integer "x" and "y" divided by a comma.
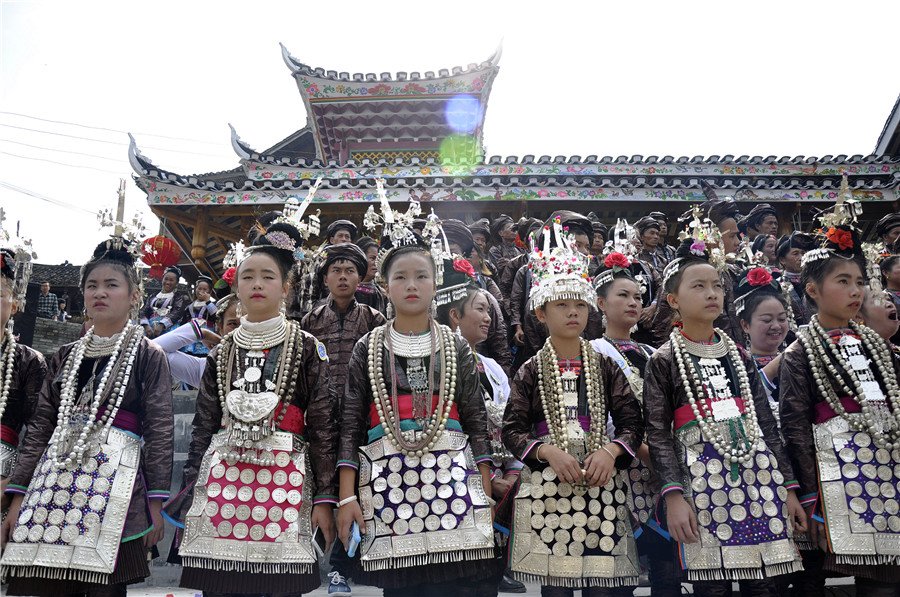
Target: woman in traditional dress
{"x": 415, "y": 459}
{"x": 96, "y": 463}
{"x": 203, "y": 311}
{"x": 22, "y": 369}
{"x": 728, "y": 486}
{"x": 466, "y": 309}
{"x": 766, "y": 320}
{"x": 619, "y": 297}
{"x": 260, "y": 473}
{"x": 166, "y": 308}
{"x": 571, "y": 522}
{"x": 840, "y": 417}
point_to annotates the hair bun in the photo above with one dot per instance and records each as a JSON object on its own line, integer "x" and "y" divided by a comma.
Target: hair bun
{"x": 280, "y": 235}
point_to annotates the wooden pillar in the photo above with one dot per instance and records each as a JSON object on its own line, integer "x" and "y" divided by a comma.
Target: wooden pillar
{"x": 246, "y": 224}
{"x": 201, "y": 234}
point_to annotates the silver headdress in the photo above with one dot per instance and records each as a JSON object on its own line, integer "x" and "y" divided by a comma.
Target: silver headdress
{"x": 560, "y": 271}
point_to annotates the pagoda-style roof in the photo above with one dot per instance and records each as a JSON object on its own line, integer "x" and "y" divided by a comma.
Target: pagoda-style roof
{"x": 889, "y": 140}
{"x": 358, "y": 131}
{"x": 362, "y": 115}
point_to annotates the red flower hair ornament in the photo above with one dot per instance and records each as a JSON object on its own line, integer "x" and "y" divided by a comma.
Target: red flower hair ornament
{"x": 616, "y": 259}
{"x": 842, "y": 238}
{"x": 229, "y": 274}
{"x": 759, "y": 277}
{"x": 464, "y": 267}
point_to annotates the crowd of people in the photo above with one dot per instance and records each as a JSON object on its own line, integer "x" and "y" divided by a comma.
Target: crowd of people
{"x": 461, "y": 408}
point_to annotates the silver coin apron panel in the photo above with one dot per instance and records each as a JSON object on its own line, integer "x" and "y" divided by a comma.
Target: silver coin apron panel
{"x": 572, "y": 535}
{"x": 642, "y": 494}
{"x": 860, "y": 484}
{"x": 72, "y": 519}
{"x": 251, "y": 518}
{"x": 743, "y": 522}
{"x": 423, "y": 510}
{"x": 8, "y": 457}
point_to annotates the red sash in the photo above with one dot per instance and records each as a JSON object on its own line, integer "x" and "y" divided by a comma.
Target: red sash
{"x": 406, "y": 410}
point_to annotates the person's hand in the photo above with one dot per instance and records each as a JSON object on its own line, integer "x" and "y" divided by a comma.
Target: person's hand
{"x": 682, "y": 521}
{"x": 323, "y": 517}
{"x": 345, "y": 517}
{"x": 796, "y": 514}
{"x": 10, "y": 521}
{"x": 600, "y": 467}
{"x": 815, "y": 530}
{"x": 500, "y": 487}
{"x": 563, "y": 464}
{"x": 209, "y": 338}
{"x": 159, "y": 525}
{"x": 519, "y": 336}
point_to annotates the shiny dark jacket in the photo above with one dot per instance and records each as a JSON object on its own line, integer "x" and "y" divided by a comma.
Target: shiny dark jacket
{"x": 177, "y": 308}
{"x": 371, "y": 294}
{"x": 499, "y": 255}
{"x": 496, "y": 345}
{"x": 149, "y": 396}
{"x": 27, "y": 379}
{"x": 355, "y": 422}
{"x": 525, "y": 410}
{"x": 664, "y": 394}
{"x": 339, "y": 333}
{"x": 312, "y": 396}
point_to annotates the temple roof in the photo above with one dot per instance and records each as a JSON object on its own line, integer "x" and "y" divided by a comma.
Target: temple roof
{"x": 406, "y": 114}
{"x": 889, "y": 140}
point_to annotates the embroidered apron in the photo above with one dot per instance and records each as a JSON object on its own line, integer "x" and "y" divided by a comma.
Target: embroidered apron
{"x": 248, "y": 517}
{"x": 423, "y": 510}
{"x": 859, "y": 486}
{"x": 71, "y": 521}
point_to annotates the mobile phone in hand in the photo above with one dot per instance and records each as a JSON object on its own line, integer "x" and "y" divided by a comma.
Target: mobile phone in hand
{"x": 318, "y": 542}
{"x": 354, "y": 539}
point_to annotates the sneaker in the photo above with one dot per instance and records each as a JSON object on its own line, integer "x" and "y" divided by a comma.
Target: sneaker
{"x": 511, "y": 585}
{"x": 338, "y": 586}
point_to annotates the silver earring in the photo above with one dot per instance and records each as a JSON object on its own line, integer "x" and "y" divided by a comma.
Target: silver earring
{"x": 389, "y": 311}
{"x": 603, "y": 321}
{"x": 239, "y": 311}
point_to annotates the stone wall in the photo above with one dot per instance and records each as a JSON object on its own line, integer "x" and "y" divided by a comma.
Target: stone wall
{"x": 49, "y": 335}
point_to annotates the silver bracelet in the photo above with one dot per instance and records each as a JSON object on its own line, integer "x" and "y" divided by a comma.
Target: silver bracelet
{"x": 346, "y": 501}
{"x": 537, "y": 454}
{"x": 607, "y": 450}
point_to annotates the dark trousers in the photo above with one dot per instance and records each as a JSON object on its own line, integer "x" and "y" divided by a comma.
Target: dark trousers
{"x": 665, "y": 578}
{"x": 587, "y": 592}
{"x": 340, "y": 561}
{"x": 749, "y": 588}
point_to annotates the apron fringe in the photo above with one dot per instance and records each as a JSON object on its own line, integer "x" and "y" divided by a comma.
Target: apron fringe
{"x": 249, "y": 567}
{"x": 72, "y": 574}
{"x": 426, "y": 559}
{"x": 577, "y": 583}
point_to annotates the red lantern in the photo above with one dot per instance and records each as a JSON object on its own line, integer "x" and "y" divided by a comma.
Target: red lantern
{"x": 159, "y": 253}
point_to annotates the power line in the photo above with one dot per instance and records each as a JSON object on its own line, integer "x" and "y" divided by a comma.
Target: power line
{"x": 25, "y": 157}
{"x": 90, "y": 155}
{"x": 18, "y": 189}
{"x": 24, "y": 128}
{"x": 101, "y": 128}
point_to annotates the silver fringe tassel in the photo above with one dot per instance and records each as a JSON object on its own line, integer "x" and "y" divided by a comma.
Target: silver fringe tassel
{"x": 73, "y": 574}
{"x": 577, "y": 583}
{"x": 868, "y": 560}
{"x": 745, "y": 573}
{"x": 251, "y": 567}
{"x": 444, "y": 557}
{"x": 805, "y": 545}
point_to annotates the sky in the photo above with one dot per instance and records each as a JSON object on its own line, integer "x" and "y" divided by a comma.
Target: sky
{"x": 576, "y": 78}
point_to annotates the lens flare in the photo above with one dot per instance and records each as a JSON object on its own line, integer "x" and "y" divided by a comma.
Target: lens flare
{"x": 459, "y": 151}
{"x": 463, "y": 113}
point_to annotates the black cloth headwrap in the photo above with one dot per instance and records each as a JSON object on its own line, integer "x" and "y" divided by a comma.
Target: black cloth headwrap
{"x": 886, "y": 223}
{"x": 482, "y": 226}
{"x": 646, "y": 223}
{"x": 658, "y": 215}
{"x": 756, "y": 216}
{"x": 174, "y": 269}
{"x": 344, "y": 252}
{"x": 600, "y": 229}
{"x": 498, "y": 224}
{"x": 365, "y": 243}
{"x": 339, "y": 225}
{"x": 575, "y": 222}
{"x": 794, "y": 240}
{"x": 525, "y": 226}
{"x": 8, "y": 263}
{"x": 459, "y": 234}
